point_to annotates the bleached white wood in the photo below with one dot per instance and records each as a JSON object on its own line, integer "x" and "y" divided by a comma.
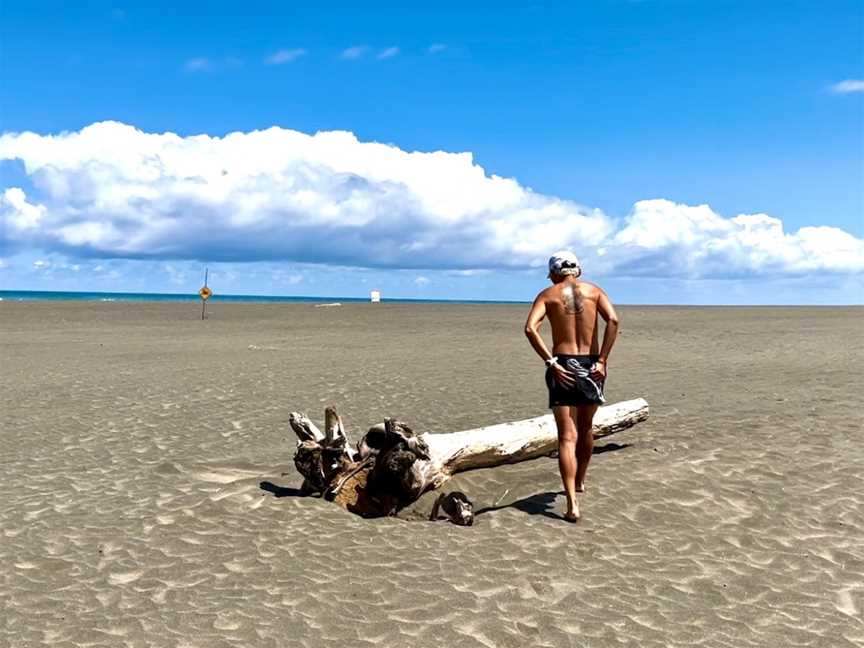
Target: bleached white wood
{"x": 304, "y": 428}
{"x": 507, "y": 443}
{"x": 437, "y": 457}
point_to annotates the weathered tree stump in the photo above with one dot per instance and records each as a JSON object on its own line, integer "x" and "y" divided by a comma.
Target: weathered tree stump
{"x": 392, "y": 466}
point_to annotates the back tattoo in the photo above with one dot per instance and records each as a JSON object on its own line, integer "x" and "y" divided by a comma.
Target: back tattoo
{"x": 572, "y": 300}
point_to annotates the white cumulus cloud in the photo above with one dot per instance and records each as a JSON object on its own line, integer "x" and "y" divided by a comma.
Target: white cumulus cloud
{"x": 285, "y": 56}
{"x": 387, "y": 53}
{"x": 662, "y": 238}
{"x": 204, "y": 64}
{"x": 848, "y": 86}
{"x": 113, "y": 191}
{"x": 197, "y": 64}
{"x": 17, "y": 213}
{"x": 354, "y": 52}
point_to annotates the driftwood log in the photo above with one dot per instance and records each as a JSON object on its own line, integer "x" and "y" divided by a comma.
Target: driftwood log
{"x": 392, "y": 466}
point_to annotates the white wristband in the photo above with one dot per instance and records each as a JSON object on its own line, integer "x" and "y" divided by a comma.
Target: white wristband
{"x": 551, "y": 361}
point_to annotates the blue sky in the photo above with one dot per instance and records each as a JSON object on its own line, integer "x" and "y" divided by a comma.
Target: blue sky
{"x": 594, "y": 107}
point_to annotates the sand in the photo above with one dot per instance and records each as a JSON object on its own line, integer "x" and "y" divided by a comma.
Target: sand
{"x": 135, "y": 438}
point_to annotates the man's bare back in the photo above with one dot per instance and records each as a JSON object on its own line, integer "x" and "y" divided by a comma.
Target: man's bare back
{"x": 571, "y": 308}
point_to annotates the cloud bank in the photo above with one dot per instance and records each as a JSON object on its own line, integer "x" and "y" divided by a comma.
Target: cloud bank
{"x": 112, "y": 191}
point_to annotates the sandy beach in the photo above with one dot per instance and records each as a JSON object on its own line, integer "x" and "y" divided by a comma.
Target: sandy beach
{"x": 135, "y": 439}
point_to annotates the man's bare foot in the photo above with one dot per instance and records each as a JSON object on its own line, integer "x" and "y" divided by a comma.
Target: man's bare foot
{"x": 580, "y": 488}
{"x": 572, "y": 514}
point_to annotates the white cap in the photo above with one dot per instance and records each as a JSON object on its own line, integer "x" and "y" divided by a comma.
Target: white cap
{"x": 564, "y": 263}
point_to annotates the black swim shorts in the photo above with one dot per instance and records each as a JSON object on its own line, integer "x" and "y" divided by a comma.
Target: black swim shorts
{"x": 586, "y": 390}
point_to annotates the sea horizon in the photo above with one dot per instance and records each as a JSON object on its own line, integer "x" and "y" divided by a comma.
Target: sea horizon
{"x": 91, "y": 295}
{"x": 109, "y": 296}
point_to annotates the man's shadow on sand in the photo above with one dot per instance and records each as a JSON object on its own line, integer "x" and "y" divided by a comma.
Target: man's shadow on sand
{"x": 538, "y": 504}
{"x": 544, "y": 503}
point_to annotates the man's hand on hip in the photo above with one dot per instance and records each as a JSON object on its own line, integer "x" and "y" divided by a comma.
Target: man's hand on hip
{"x": 598, "y": 370}
{"x": 563, "y": 376}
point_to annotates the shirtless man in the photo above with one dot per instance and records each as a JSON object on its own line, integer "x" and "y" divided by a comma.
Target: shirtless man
{"x": 576, "y": 368}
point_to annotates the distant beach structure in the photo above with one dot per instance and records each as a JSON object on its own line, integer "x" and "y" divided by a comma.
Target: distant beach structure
{"x": 375, "y": 296}
{"x": 205, "y": 293}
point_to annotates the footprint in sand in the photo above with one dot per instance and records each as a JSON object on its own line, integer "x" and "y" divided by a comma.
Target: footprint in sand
{"x": 121, "y": 578}
{"x": 846, "y": 604}
{"x": 222, "y": 623}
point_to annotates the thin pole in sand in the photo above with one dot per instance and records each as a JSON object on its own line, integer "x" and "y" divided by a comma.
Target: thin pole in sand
{"x": 205, "y": 293}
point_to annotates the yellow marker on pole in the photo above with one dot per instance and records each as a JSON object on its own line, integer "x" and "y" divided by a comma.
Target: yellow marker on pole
{"x": 205, "y": 293}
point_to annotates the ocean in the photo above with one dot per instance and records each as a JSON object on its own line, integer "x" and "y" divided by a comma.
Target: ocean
{"x": 50, "y": 295}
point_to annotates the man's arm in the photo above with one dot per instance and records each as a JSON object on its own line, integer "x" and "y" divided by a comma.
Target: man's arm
{"x": 532, "y": 332}
{"x": 532, "y": 327}
{"x": 607, "y": 312}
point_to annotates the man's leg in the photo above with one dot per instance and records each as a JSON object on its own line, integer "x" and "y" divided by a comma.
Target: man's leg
{"x": 583, "y": 417}
{"x": 567, "y": 457}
